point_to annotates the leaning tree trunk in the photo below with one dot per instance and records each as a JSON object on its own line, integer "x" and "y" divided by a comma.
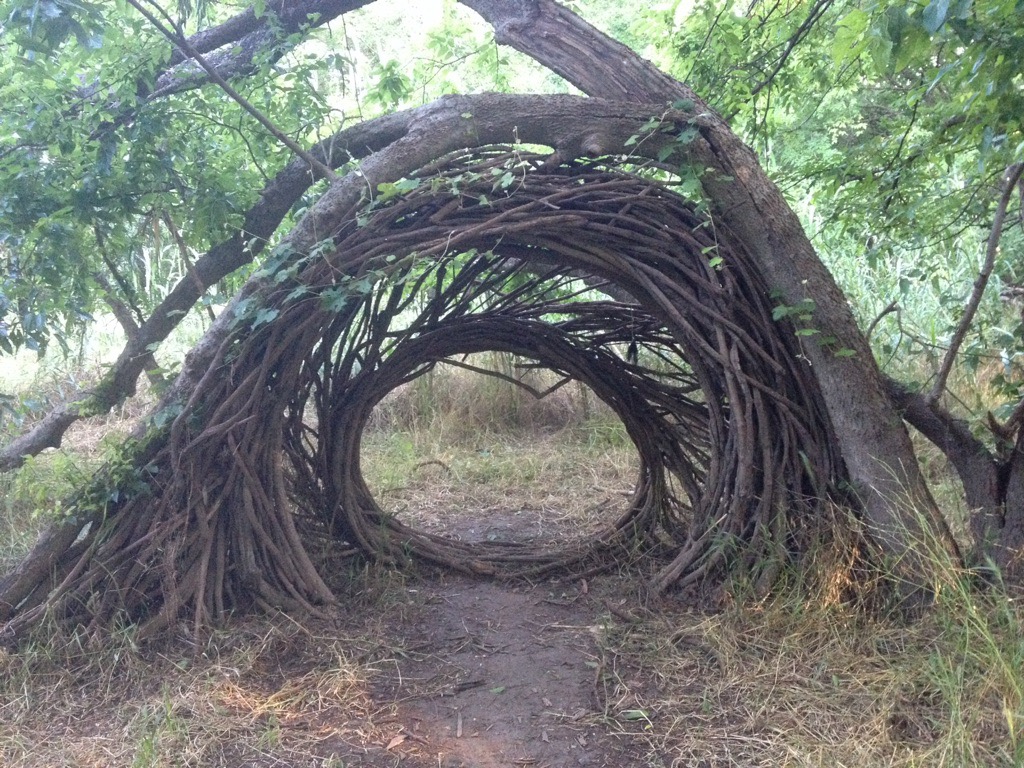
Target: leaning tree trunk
{"x": 902, "y": 515}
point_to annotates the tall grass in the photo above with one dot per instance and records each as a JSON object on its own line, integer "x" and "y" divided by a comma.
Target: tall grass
{"x": 457, "y": 446}
{"x": 809, "y": 677}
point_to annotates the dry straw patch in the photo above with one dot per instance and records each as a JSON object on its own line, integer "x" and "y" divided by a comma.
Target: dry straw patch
{"x": 804, "y": 681}
{"x": 258, "y": 693}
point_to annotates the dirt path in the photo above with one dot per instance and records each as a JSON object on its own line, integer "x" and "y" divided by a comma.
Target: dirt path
{"x": 500, "y": 676}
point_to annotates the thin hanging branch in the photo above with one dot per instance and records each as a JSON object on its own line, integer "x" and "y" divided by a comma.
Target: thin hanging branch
{"x": 1010, "y": 179}
{"x": 893, "y": 306}
{"x": 190, "y": 268}
{"x": 816, "y": 12}
{"x": 175, "y": 36}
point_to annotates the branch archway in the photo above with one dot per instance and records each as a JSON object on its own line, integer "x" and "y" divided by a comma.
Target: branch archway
{"x": 489, "y": 250}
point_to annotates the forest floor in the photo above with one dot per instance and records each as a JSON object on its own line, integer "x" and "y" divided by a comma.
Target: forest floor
{"x": 425, "y": 669}
{"x": 496, "y": 675}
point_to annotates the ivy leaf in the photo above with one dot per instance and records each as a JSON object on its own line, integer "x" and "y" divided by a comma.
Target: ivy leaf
{"x": 265, "y": 316}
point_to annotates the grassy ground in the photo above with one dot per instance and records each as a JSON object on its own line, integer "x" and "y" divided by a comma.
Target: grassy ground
{"x": 800, "y": 678}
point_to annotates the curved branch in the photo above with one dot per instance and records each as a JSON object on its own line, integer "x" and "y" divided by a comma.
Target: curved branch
{"x": 179, "y": 40}
{"x": 245, "y": 37}
{"x": 392, "y": 146}
{"x": 1010, "y": 179}
{"x": 974, "y": 463}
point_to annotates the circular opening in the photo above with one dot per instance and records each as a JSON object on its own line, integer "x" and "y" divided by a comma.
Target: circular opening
{"x": 494, "y": 448}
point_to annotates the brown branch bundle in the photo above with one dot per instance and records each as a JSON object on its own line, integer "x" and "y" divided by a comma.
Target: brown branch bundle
{"x": 489, "y": 251}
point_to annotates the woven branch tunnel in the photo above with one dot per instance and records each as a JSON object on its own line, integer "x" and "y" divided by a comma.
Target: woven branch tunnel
{"x": 600, "y": 274}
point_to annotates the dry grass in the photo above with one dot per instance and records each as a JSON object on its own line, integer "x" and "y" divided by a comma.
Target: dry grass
{"x": 534, "y": 486}
{"x": 798, "y": 679}
{"x": 260, "y": 693}
{"x": 486, "y": 450}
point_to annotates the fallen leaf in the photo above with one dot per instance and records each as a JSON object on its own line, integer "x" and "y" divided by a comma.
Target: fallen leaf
{"x": 396, "y": 741}
{"x": 633, "y": 714}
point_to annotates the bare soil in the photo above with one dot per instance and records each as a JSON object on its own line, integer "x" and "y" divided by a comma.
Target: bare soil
{"x": 500, "y": 675}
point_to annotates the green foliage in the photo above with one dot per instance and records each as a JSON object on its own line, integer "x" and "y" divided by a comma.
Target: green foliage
{"x": 99, "y": 184}
{"x": 888, "y": 125}
{"x": 44, "y": 481}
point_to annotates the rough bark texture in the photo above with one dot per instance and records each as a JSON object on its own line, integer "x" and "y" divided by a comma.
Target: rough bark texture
{"x": 874, "y": 441}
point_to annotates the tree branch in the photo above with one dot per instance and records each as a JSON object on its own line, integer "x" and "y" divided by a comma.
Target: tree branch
{"x": 1010, "y": 179}
{"x": 815, "y": 13}
{"x": 190, "y": 268}
{"x": 175, "y": 36}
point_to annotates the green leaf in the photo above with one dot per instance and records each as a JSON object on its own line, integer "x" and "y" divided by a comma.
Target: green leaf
{"x": 934, "y": 15}
{"x": 335, "y": 299}
{"x": 264, "y": 316}
{"x": 848, "y": 44}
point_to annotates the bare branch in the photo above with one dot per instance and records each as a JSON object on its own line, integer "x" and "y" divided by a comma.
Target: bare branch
{"x": 183, "y": 252}
{"x": 893, "y": 307}
{"x": 815, "y": 13}
{"x": 1010, "y": 179}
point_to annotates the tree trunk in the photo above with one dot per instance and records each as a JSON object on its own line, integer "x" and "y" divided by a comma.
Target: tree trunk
{"x": 1007, "y": 549}
{"x": 900, "y": 511}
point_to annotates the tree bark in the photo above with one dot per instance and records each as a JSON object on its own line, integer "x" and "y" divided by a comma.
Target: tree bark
{"x": 900, "y": 511}
{"x": 1006, "y": 543}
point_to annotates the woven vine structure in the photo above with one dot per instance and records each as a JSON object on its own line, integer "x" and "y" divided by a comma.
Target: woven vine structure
{"x": 601, "y": 275}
